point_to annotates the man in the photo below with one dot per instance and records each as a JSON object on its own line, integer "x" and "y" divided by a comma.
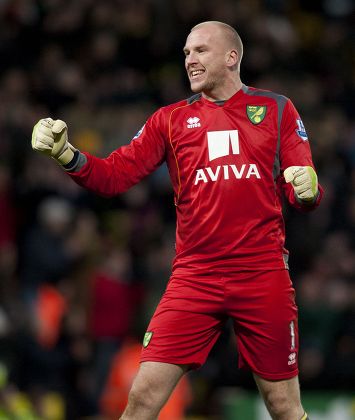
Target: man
{"x": 232, "y": 151}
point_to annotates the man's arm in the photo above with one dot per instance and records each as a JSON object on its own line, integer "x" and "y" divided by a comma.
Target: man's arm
{"x": 300, "y": 180}
{"x": 110, "y": 176}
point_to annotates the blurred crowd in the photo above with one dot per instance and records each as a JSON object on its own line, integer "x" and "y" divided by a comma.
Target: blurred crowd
{"x": 80, "y": 275}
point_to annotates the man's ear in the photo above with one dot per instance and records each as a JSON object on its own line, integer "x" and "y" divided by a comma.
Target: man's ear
{"x": 232, "y": 58}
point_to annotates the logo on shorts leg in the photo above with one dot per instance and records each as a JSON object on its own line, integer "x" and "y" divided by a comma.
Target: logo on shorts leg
{"x": 293, "y": 335}
{"x": 292, "y": 359}
{"x": 147, "y": 337}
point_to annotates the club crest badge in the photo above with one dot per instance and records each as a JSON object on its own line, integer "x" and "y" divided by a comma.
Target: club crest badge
{"x": 256, "y": 113}
{"x": 147, "y": 337}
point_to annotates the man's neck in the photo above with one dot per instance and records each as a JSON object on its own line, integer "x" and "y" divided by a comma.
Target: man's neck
{"x": 224, "y": 93}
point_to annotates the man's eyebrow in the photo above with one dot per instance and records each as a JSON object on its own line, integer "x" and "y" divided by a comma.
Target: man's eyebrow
{"x": 195, "y": 47}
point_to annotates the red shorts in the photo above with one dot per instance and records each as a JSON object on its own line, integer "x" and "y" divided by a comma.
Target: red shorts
{"x": 191, "y": 314}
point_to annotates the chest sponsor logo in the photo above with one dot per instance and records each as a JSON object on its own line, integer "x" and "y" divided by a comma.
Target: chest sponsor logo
{"x": 193, "y": 122}
{"x": 226, "y": 172}
{"x": 222, "y": 143}
{"x": 256, "y": 113}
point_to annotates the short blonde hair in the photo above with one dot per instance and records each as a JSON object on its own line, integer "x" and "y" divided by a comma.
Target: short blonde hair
{"x": 231, "y": 35}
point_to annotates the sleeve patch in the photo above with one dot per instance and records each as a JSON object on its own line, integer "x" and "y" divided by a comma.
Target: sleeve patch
{"x": 301, "y": 131}
{"x": 139, "y": 133}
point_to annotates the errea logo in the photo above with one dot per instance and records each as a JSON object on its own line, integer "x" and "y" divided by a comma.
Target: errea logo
{"x": 292, "y": 359}
{"x": 193, "y": 122}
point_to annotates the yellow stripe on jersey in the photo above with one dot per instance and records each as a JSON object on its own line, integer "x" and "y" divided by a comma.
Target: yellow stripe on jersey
{"x": 174, "y": 151}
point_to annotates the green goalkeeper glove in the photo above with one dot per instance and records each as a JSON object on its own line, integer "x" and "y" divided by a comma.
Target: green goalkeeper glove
{"x": 51, "y": 138}
{"x": 304, "y": 181}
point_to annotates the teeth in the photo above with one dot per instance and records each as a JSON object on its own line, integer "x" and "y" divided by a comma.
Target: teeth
{"x": 196, "y": 73}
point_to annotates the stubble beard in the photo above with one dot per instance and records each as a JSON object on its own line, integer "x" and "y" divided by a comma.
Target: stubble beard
{"x": 205, "y": 87}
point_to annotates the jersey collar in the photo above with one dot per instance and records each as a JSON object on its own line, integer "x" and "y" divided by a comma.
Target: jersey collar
{"x": 229, "y": 102}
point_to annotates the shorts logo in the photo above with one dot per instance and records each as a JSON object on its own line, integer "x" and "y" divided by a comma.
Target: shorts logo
{"x": 147, "y": 337}
{"x": 293, "y": 335}
{"x": 222, "y": 143}
{"x": 256, "y": 113}
{"x": 292, "y": 359}
{"x": 193, "y": 122}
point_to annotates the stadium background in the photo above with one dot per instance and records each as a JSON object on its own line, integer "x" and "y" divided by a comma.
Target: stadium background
{"x": 81, "y": 275}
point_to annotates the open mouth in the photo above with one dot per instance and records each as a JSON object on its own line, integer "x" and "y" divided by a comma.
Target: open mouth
{"x": 194, "y": 74}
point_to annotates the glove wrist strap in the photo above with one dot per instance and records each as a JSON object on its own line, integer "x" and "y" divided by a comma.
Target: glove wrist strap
{"x": 65, "y": 157}
{"x": 76, "y": 163}
{"x": 307, "y": 202}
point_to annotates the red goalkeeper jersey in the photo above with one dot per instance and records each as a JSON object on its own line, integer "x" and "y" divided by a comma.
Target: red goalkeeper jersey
{"x": 225, "y": 161}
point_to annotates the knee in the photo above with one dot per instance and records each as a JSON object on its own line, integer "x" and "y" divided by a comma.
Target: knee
{"x": 279, "y": 405}
{"x": 142, "y": 398}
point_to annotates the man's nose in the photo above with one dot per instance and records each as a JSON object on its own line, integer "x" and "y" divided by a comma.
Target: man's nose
{"x": 190, "y": 59}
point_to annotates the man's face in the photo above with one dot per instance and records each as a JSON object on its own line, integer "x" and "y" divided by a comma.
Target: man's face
{"x": 205, "y": 59}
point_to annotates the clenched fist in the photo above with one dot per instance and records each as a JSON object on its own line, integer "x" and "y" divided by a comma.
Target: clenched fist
{"x": 51, "y": 138}
{"x": 304, "y": 181}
